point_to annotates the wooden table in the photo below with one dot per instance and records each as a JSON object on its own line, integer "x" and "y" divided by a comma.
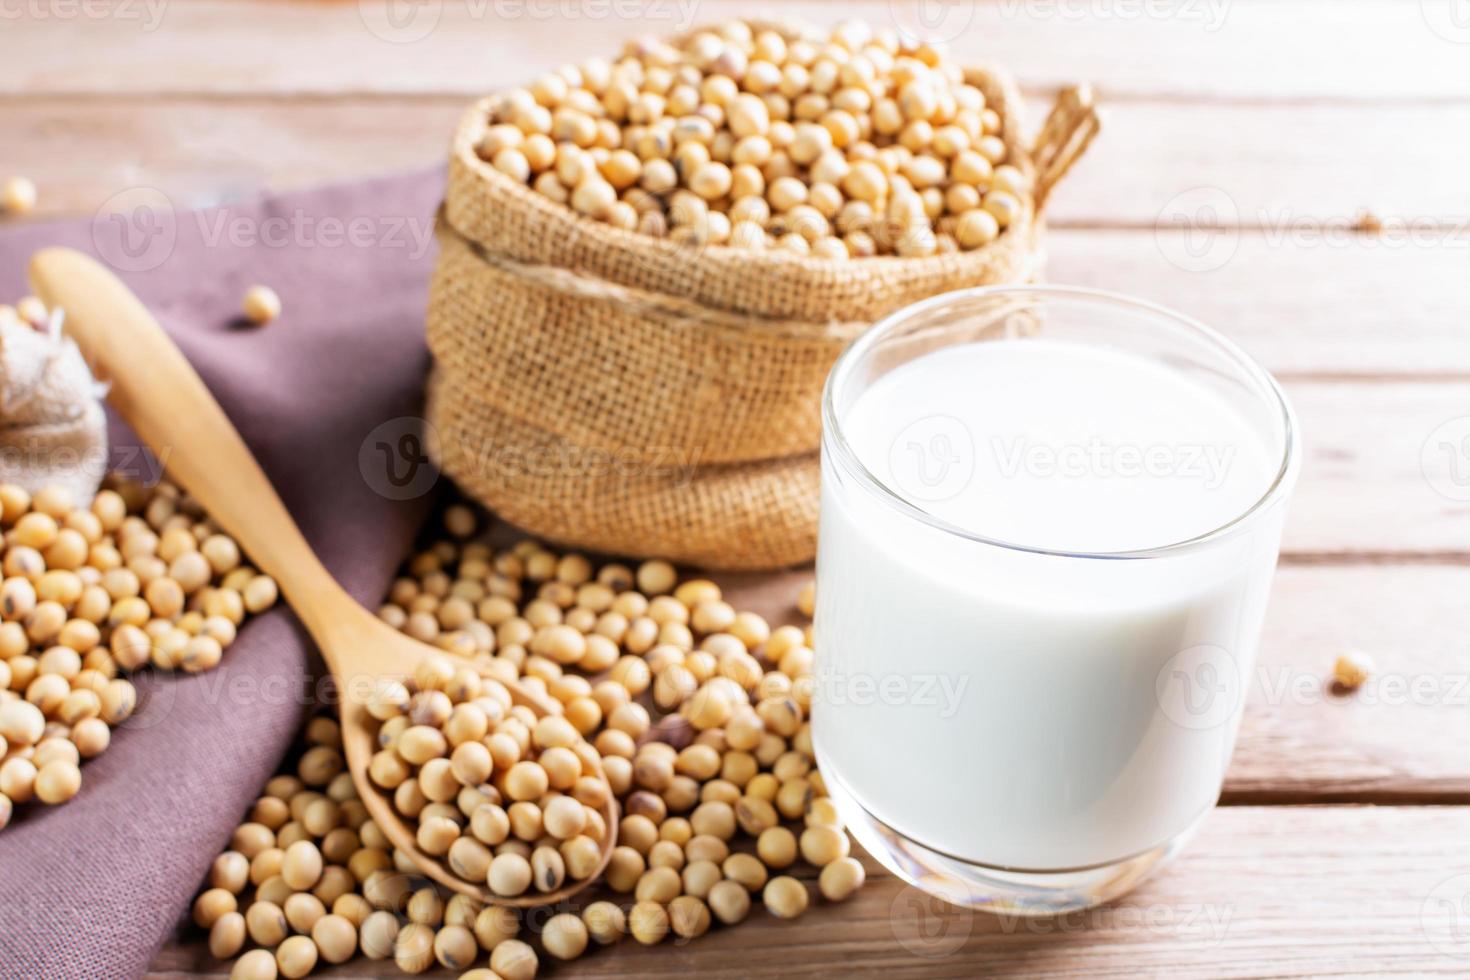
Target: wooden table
{"x": 1342, "y": 843}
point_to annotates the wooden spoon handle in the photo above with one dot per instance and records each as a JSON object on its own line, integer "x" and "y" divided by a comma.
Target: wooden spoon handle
{"x": 156, "y": 390}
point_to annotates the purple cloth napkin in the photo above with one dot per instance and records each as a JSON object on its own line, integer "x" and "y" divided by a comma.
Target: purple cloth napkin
{"x": 93, "y": 888}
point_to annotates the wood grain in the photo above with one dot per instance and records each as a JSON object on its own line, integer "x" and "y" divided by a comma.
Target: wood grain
{"x": 1156, "y": 164}
{"x": 1401, "y": 736}
{"x": 1236, "y": 49}
{"x": 1355, "y": 305}
{"x": 200, "y": 153}
{"x": 1274, "y": 891}
{"x": 1377, "y": 465}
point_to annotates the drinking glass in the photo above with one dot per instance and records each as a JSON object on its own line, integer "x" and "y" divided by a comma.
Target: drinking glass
{"x": 1016, "y": 725}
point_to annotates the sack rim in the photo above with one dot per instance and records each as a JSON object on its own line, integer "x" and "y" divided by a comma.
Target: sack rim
{"x": 562, "y": 220}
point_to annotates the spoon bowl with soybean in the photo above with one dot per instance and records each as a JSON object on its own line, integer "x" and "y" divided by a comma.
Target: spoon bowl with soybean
{"x": 158, "y": 393}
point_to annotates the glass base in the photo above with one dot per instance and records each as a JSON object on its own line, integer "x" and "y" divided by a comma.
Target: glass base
{"x": 999, "y": 890}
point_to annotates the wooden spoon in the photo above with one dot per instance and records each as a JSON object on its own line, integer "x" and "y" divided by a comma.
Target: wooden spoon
{"x": 159, "y": 394}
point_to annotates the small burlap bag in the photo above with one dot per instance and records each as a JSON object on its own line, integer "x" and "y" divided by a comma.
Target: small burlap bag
{"x": 52, "y": 428}
{"x": 550, "y": 329}
{"x": 733, "y": 515}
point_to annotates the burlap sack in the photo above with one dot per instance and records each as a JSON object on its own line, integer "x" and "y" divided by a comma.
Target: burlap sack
{"x": 735, "y": 515}
{"x": 52, "y": 428}
{"x": 548, "y": 326}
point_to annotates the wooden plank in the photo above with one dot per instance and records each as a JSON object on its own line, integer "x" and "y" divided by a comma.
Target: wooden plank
{"x": 1336, "y": 305}
{"x": 1401, "y": 736}
{"x": 1384, "y": 470}
{"x": 1256, "y": 49}
{"x": 1275, "y": 891}
{"x": 1299, "y": 173}
{"x": 201, "y": 153}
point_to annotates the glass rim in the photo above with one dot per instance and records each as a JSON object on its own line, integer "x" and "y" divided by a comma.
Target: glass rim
{"x": 834, "y": 437}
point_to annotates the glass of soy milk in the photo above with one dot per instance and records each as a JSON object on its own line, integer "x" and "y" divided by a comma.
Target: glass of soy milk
{"x": 1049, "y": 522}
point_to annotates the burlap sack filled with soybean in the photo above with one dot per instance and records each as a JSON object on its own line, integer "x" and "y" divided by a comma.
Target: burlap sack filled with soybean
{"x": 613, "y": 391}
{"x": 52, "y": 428}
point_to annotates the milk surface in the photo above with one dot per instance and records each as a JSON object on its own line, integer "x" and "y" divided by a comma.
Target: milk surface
{"x": 1023, "y": 710}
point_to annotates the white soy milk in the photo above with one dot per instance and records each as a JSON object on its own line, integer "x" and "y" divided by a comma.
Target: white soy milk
{"x": 1029, "y": 711}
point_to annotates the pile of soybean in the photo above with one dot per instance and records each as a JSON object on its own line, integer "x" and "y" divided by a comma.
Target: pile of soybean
{"x": 698, "y": 711}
